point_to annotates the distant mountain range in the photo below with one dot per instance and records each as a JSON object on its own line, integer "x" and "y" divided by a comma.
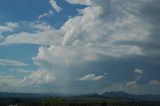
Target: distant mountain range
{"x": 123, "y": 95}
{"x": 145, "y": 97}
{"x": 114, "y": 95}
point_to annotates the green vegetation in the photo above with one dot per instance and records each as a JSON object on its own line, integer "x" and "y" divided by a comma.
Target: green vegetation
{"x": 54, "y": 101}
{"x": 73, "y": 101}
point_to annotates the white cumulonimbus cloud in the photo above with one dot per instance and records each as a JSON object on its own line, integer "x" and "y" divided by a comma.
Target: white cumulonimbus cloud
{"x": 102, "y": 30}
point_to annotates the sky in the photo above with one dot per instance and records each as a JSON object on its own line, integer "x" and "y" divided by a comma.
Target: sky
{"x": 80, "y": 46}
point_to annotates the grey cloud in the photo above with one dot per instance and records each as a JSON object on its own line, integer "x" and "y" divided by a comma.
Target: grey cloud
{"x": 151, "y": 13}
{"x": 8, "y": 83}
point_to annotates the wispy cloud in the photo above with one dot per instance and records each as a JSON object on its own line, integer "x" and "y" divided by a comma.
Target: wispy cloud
{"x": 21, "y": 70}
{"x": 55, "y": 6}
{"x": 6, "y": 62}
{"x": 40, "y": 37}
{"x": 8, "y": 27}
{"x": 1, "y": 38}
{"x": 78, "y": 1}
{"x": 47, "y": 14}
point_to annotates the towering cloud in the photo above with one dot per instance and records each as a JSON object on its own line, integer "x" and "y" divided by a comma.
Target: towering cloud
{"x": 107, "y": 36}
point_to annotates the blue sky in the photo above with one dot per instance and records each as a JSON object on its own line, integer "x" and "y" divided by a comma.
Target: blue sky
{"x": 79, "y": 46}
